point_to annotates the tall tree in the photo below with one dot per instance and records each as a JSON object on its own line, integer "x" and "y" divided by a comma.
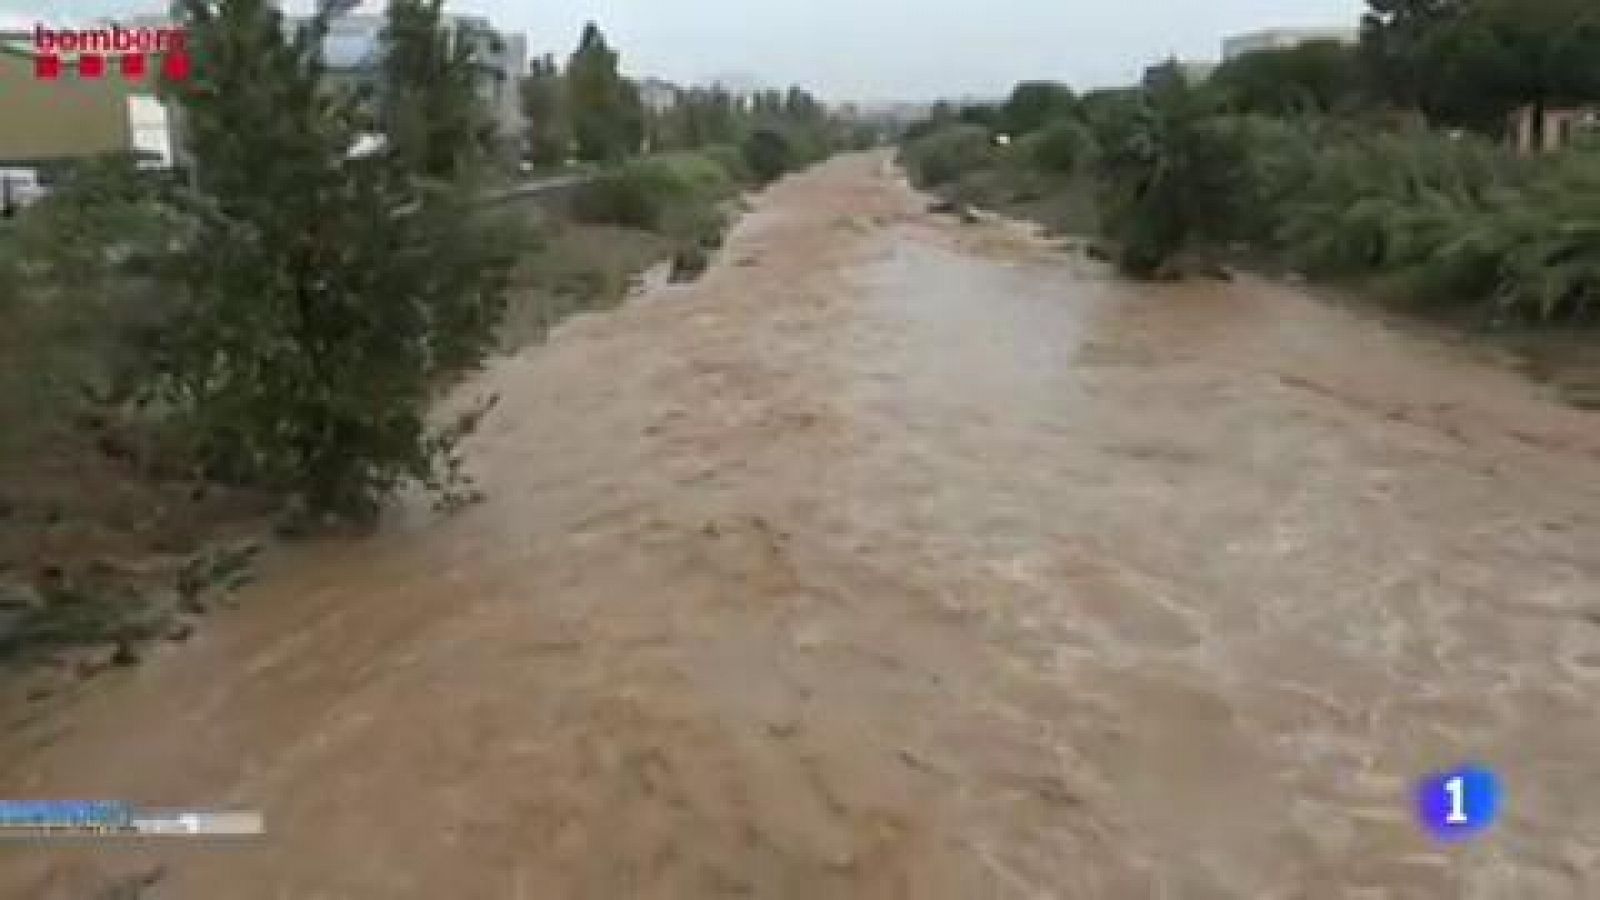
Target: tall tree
{"x": 1499, "y": 55}
{"x": 431, "y": 111}
{"x": 606, "y": 113}
{"x": 322, "y": 293}
{"x": 1033, "y": 103}
{"x": 1470, "y": 62}
{"x": 549, "y": 133}
{"x": 1315, "y": 77}
{"x": 1395, "y": 35}
{"x": 1165, "y": 171}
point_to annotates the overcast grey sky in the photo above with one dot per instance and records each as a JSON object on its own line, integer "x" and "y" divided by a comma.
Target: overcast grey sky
{"x": 875, "y": 50}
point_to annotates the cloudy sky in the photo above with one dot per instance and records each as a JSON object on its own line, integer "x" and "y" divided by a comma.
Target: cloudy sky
{"x": 873, "y": 50}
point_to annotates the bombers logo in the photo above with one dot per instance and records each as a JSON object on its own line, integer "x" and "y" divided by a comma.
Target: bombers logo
{"x": 133, "y": 50}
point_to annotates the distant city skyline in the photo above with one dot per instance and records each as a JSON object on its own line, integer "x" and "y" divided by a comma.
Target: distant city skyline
{"x": 865, "y": 51}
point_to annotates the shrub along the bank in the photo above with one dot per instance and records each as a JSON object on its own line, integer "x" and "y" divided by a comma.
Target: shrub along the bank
{"x": 731, "y": 158}
{"x": 1447, "y": 218}
{"x": 682, "y": 196}
{"x": 1450, "y": 219}
{"x": 943, "y": 155}
{"x": 1061, "y": 146}
{"x": 768, "y": 154}
{"x": 658, "y": 193}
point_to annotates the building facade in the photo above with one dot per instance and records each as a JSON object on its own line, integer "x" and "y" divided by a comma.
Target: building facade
{"x": 353, "y": 53}
{"x": 1284, "y": 39}
{"x": 658, "y": 95}
{"x": 44, "y": 122}
{"x": 1534, "y": 130}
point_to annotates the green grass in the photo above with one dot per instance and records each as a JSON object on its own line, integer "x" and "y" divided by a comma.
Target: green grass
{"x": 575, "y": 268}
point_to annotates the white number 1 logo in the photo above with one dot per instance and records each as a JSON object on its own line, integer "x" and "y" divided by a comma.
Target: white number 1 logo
{"x": 1457, "y": 789}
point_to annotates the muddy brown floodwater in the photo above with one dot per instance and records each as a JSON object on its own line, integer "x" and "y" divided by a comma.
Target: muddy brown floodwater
{"x": 901, "y": 558}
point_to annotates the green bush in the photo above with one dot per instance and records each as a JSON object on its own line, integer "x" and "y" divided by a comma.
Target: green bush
{"x": 732, "y": 160}
{"x": 1452, "y": 220}
{"x": 1034, "y": 104}
{"x": 1167, "y": 170}
{"x": 1060, "y": 146}
{"x": 682, "y": 196}
{"x": 654, "y": 193}
{"x": 943, "y": 156}
{"x": 1387, "y": 201}
{"x": 769, "y": 154}
{"x": 1545, "y": 238}
{"x": 1276, "y": 158}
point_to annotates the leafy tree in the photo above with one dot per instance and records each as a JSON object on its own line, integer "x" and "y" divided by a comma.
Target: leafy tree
{"x": 1316, "y": 77}
{"x": 1498, "y": 55}
{"x": 549, "y": 133}
{"x": 1101, "y": 107}
{"x": 1166, "y": 170}
{"x": 982, "y": 116}
{"x": 322, "y": 297}
{"x": 800, "y": 106}
{"x": 431, "y": 112}
{"x": 943, "y": 156}
{"x": 607, "y": 116}
{"x": 1033, "y": 103}
{"x": 1470, "y": 62}
{"x": 1395, "y": 36}
{"x": 1060, "y": 146}
{"x": 768, "y": 154}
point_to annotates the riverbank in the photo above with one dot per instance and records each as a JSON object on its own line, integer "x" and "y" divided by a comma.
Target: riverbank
{"x": 1564, "y": 358}
{"x": 109, "y": 545}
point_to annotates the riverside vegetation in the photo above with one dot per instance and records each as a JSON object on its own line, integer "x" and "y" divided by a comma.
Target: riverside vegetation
{"x": 1387, "y": 161}
{"x": 265, "y": 337}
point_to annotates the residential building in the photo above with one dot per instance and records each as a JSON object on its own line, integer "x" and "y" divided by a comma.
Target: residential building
{"x": 658, "y": 95}
{"x": 1285, "y": 38}
{"x": 1193, "y": 71}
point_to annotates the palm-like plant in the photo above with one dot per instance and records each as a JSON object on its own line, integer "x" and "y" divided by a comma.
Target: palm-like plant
{"x": 1166, "y": 170}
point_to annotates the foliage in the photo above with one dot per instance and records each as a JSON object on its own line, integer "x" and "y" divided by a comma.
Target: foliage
{"x": 702, "y": 117}
{"x": 430, "y": 110}
{"x": 549, "y": 132}
{"x": 1165, "y": 169}
{"x": 1318, "y": 77}
{"x": 1275, "y": 159}
{"x": 604, "y": 108}
{"x": 768, "y": 154}
{"x": 104, "y": 213}
{"x": 1381, "y": 202}
{"x": 1546, "y": 237}
{"x": 987, "y": 117}
{"x": 732, "y": 160}
{"x": 322, "y": 298}
{"x": 673, "y": 193}
{"x": 1060, "y": 146}
{"x": 77, "y": 310}
{"x": 1471, "y": 62}
{"x": 1459, "y": 222}
{"x": 1394, "y": 39}
{"x": 1033, "y": 103}
{"x": 945, "y": 155}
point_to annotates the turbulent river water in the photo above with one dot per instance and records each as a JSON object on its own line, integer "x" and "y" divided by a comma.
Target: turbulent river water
{"x": 904, "y": 558}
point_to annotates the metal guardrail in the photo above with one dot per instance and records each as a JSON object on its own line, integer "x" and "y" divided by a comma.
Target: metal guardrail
{"x": 540, "y": 186}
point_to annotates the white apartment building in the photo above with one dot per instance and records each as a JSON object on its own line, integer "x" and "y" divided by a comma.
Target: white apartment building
{"x": 1284, "y": 39}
